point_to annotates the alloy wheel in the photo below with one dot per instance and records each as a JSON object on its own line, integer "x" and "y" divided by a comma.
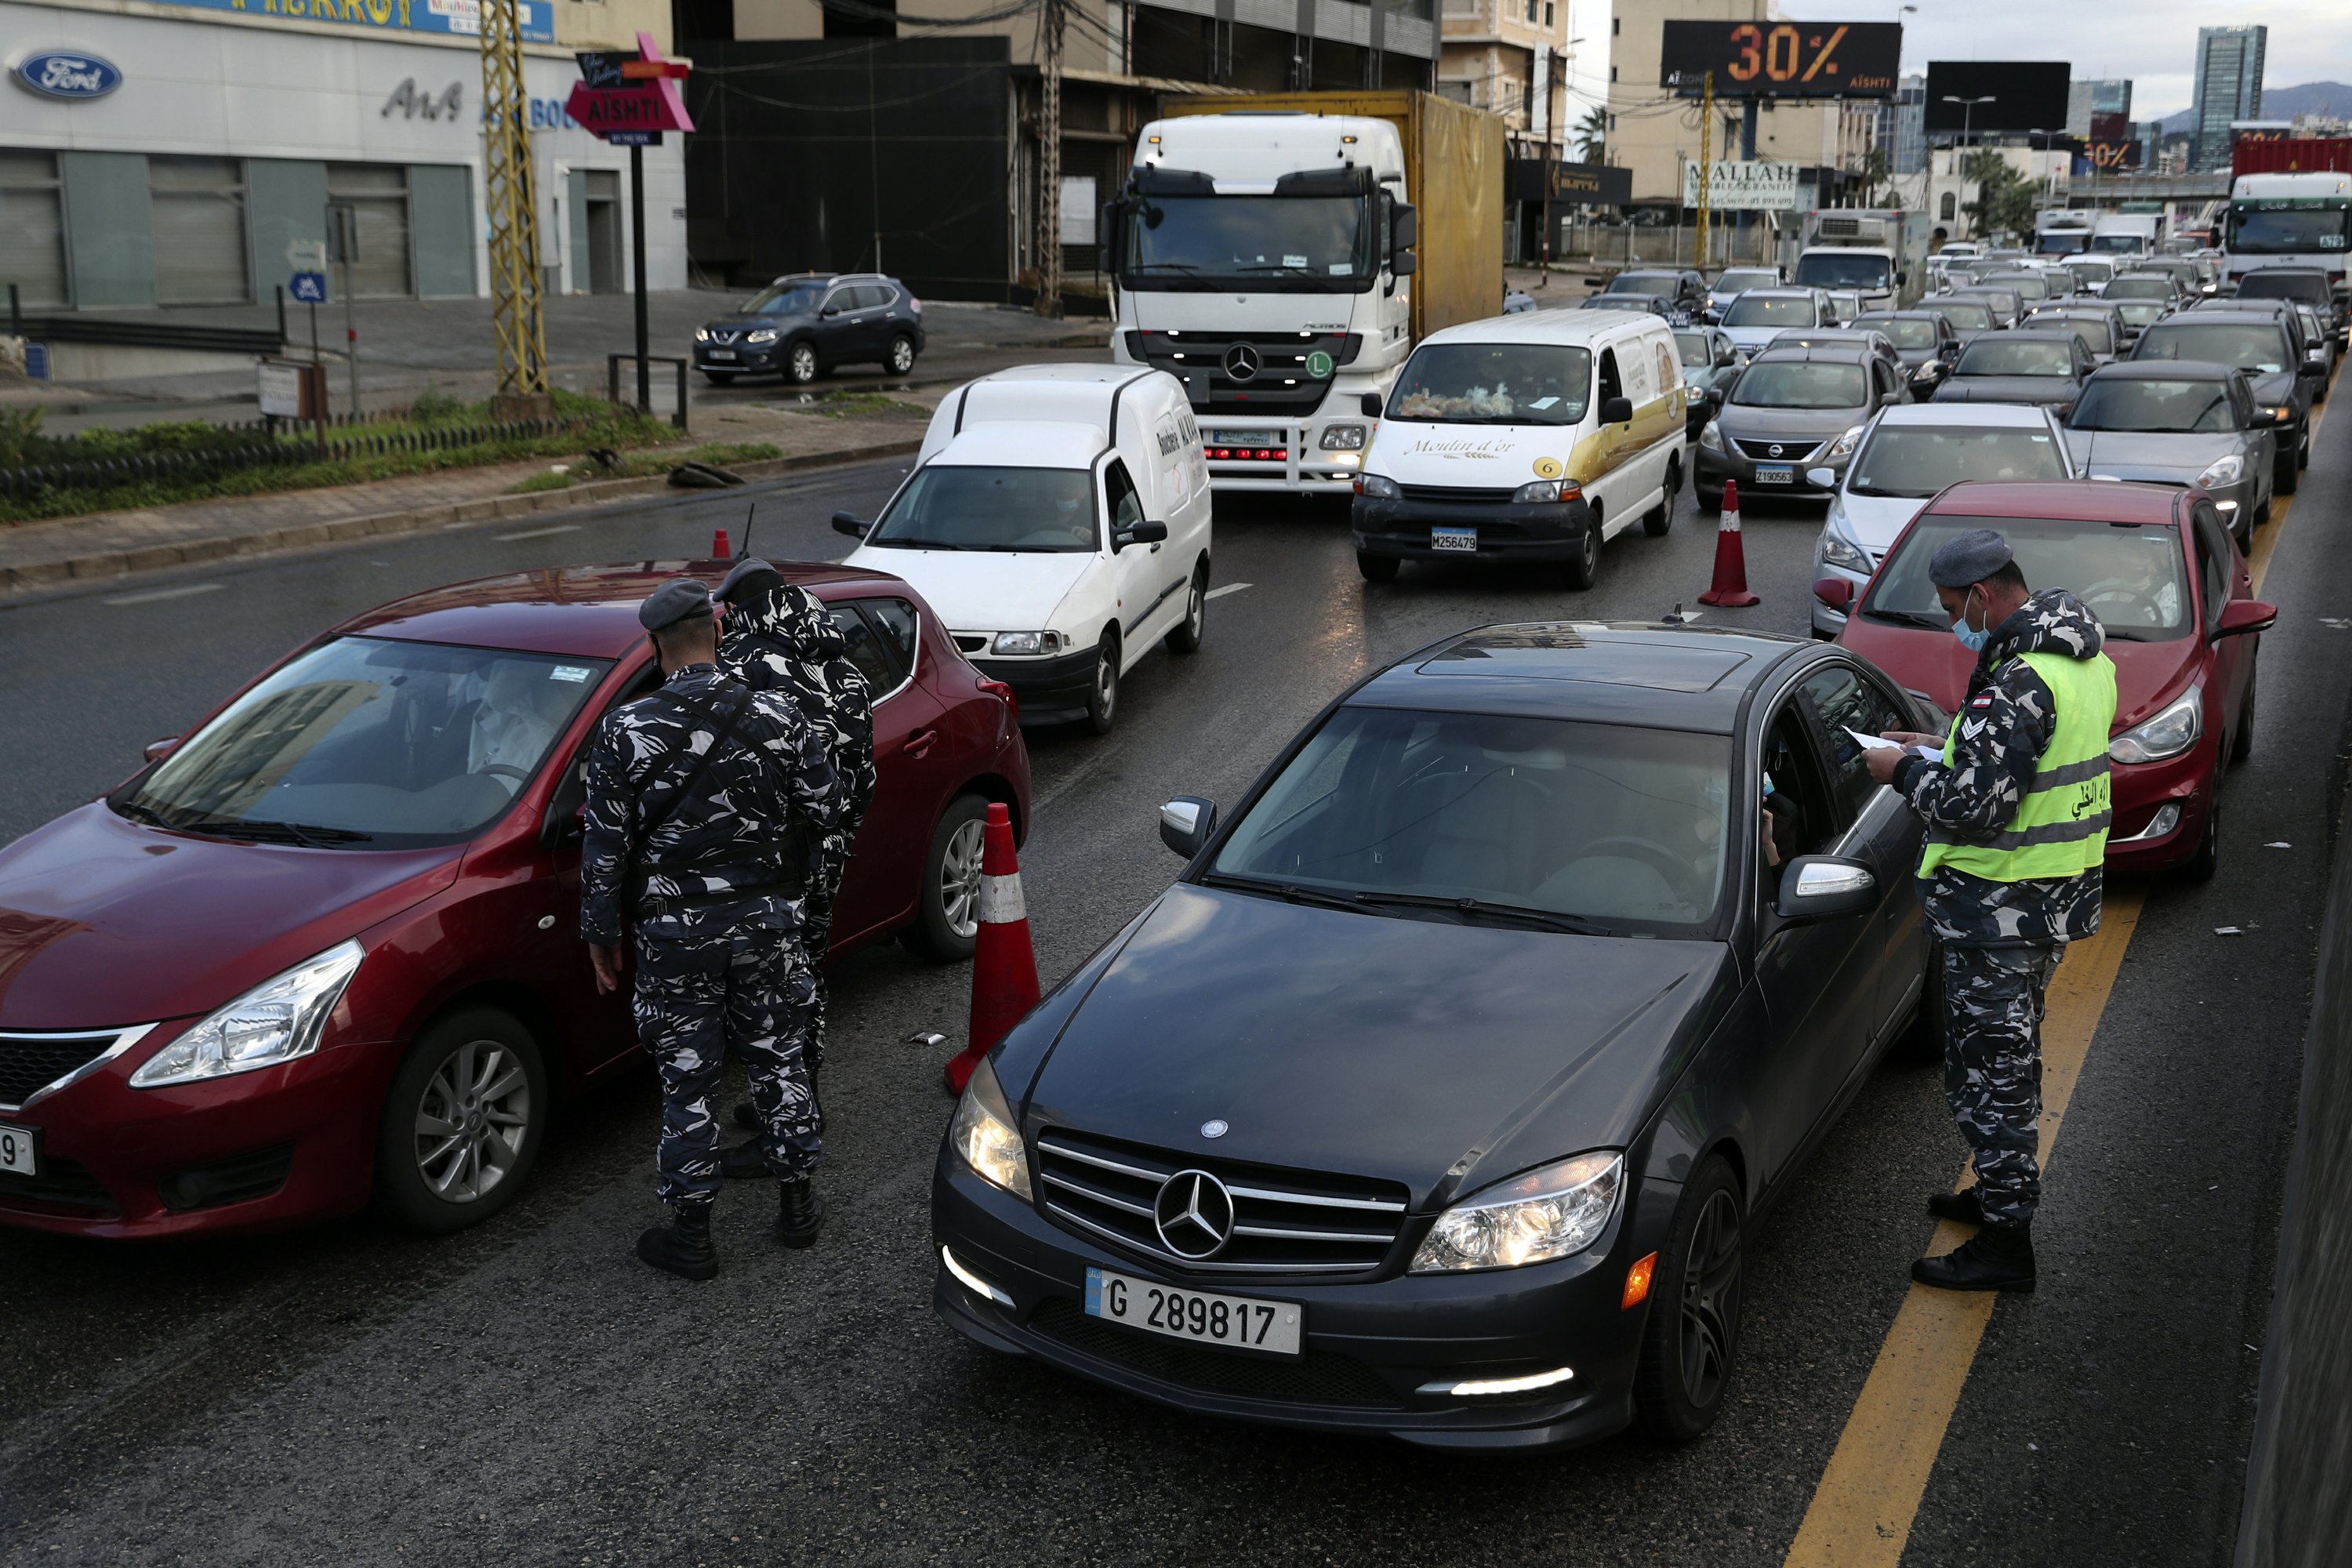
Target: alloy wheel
{"x": 960, "y": 878}
{"x": 1196, "y": 609}
{"x": 472, "y": 1121}
{"x": 1710, "y": 1303}
{"x": 902, "y": 355}
{"x": 804, "y": 363}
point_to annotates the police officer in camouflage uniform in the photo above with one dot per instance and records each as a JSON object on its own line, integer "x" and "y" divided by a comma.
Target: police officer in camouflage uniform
{"x": 779, "y": 637}
{"x": 2017, "y": 816}
{"x": 702, "y": 800}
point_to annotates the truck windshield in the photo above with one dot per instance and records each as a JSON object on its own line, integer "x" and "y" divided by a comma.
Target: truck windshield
{"x": 1275, "y": 242}
{"x": 1843, "y": 269}
{"x": 1008, "y": 510}
{"x": 2259, "y": 230}
{"x": 1493, "y": 384}
{"x": 2119, "y": 244}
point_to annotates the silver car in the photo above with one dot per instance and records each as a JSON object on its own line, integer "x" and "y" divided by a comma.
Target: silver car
{"x": 1759, "y": 315}
{"x": 1905, "y": 456}
{"x": 1791, "y": 417}
{"x": 2179, "y": 422}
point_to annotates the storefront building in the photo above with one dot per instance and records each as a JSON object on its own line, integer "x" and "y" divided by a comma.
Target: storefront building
{"x": 169, "y": 155}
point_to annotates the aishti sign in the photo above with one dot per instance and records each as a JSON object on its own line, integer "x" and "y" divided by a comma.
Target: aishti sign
{"x": 458, "y": 16}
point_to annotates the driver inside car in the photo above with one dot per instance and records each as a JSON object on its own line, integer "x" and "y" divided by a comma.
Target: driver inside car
{"x": 509, "y": 731}
{"x": 2135, "y": 586}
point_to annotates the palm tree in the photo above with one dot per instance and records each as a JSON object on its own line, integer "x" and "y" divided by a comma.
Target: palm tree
{"x": 1592, "y": 135}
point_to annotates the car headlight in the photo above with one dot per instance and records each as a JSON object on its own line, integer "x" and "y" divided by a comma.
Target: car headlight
{"x": 702, "y": 334}
{"x": 1554, "y": 1211}
{"x": 761, "y": 335}
{"x": 1342, "y": 438}
{"x": 1379, "y": 487}
{"x": 271, "y": 1024}
{"x": 1844, "y": 445}
{"x": 2227, "y": 470}
{"x": 1027, "y": 642}
{"x": 1838, "y": 547}
{"x": 983, "y": 1136}
{"x": 1710, "y": 436}
{"x": 1539, "y": 490}
{"x": 2180, "y": 726}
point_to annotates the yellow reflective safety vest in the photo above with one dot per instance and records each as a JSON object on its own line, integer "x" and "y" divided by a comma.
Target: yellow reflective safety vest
{"x": 2060, "y": 826}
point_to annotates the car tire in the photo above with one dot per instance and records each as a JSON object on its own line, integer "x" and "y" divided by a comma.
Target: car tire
{"x": 443, "y": 1080}
{"x": 2303, "y": 449}
{"x": 1708, "y": 500}
{"x": 1584, "y": 570}
{"x": 1186, "y": 637}
{"x": 800, "y": 364}
{"x": 946, "y": 909}
{"x": 1377, "y": 568}
{"x": 1102, "y": 698}
{"x": 900, "y": 359}
{"x": 1660, "y": 518}
{"x": 720, "y": 377}
{"x": 1691, "y": 1340}
{"x": 2286, "y": 475}
{"x": 2200, "y": 866}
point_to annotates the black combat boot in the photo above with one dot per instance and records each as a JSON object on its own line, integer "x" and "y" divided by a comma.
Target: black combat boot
{"x": 683, "y": 1245}
{"x": 800, "y": 1213}
{"x": 1998, "y": 1257}
{"x": 1963, "y": 1207}
{"x": 746, "y": 1159}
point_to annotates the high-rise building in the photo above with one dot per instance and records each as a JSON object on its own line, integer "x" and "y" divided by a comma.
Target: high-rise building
{"x": 2228, "y": 86}
{"x": 1903, "y": 126}
{"x": 2088, "y": 99}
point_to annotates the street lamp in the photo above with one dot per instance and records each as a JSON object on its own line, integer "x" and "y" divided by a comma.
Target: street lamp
{"x": 1968, "y": 108}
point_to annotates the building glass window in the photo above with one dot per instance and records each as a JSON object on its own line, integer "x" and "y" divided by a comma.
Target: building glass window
{"x": 32, "y": 228}
{"x": 377, "y": 195}
{"x": 198, "y": 208}
{"x": 1549, "y": 16}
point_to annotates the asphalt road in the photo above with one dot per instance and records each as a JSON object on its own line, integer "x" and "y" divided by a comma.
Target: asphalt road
{"x": 527, "y": 1392}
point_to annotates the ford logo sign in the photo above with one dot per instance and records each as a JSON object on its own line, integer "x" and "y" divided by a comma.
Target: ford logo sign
{"x": 60, "y": 74}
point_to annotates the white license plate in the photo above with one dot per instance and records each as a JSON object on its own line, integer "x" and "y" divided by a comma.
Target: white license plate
{"x": 1250, "y": 438}
{"x": 1235, "y": 1322}
{"x": 18, "y": 1154}
{"x": 722, "y": 353}
{"x": 1774, "y": 474}
{"x": 1464, "y": 539}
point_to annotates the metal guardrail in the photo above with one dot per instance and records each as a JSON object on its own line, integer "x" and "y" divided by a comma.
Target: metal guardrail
{"x": 613, "y": 363}
{"x": 248, "y": 446}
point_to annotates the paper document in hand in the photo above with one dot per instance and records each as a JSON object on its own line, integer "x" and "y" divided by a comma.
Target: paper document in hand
{"x": 1876, "y": 744}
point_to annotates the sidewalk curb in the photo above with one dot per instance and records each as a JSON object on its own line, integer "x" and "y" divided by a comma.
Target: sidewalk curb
{"x": 105, "y": 564}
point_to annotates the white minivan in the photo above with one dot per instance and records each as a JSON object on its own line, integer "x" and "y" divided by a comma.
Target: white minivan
{"x": 1057, "y": 519}
{"x": 1525, "y": 440}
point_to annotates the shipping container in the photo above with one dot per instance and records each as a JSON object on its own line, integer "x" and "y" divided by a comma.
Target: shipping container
{"x": 2297, "y": 155}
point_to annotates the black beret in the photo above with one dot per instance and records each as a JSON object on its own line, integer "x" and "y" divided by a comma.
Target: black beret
{"x": 748, "y": 576}
{"x": 1967, "y": 558}
{"x": 679, "y": 599}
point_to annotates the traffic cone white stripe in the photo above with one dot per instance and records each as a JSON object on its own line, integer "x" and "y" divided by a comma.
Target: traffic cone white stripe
{"x": 1000, "y": 900}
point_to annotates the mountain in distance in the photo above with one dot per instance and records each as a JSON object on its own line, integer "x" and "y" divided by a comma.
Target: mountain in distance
{"x": 2283, "y": 103}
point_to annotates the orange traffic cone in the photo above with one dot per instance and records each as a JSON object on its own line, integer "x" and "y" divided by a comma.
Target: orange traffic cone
{"x": 1731, "y": 557}
{"x": 1004, "y": 966}
{"x": 720, "y": 549}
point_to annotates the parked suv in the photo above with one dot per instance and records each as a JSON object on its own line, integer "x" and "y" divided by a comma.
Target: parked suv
{"x": 799, "y": 327}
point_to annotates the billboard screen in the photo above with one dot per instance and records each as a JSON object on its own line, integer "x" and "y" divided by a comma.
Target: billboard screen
{"x": 1783, "y": 60}
{"x": 2025, "y": 95}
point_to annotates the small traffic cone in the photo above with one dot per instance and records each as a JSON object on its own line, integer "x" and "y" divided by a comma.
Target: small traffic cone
{"x": 1731, "y": 557}
{"x": 1003, "y": 966}
{"x": 720, "y": 549}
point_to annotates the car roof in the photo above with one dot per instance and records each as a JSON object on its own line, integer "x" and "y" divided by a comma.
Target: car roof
{"x": 1568, "y": 328}
{"x": 1652, "y": 272}
{"x": 1794, "y": 290}
{"x": 1989, "y": 415}
{"x": 2165, "y": 370}
{"x": 2247, "y": 314}
{"x": 1651, "y": 675}
{"x": 1916, "y": 314}
{"x": 2028, "y": 335}
{"x": 1821, "y": 353}
{"x": 1025, "y": 444}
{"x": 2088, "y": 502}
{"x": 586, "y": 612}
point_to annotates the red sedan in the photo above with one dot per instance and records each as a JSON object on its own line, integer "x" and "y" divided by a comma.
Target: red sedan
{"x": 2159, "y": 568}
{"x": 327, "y": 947}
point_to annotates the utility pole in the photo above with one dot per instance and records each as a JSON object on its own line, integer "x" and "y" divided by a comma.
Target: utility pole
{"x": 513, "y": 207}
{"x": 1049, "y": 164}
{"x": 1705, "y": 159}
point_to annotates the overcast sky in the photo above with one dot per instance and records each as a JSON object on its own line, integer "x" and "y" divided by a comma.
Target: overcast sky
{"x": 2153, "y": 42}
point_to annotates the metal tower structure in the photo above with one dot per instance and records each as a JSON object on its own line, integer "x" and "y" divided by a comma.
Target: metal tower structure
{"x": 513, "y": 205}
{"x": 1052, "y": 20}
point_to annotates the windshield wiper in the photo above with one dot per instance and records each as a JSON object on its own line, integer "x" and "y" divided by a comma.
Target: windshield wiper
{"x": 309, "y": 835}
{"x": 1290, "y": 891}
{"x": 137, "y": 812}
{"x": 918, "y": 544}
{"x": 1285, "y": 267}
{"x": 1546, "y": 918}
{"x": 1910, "y": 618}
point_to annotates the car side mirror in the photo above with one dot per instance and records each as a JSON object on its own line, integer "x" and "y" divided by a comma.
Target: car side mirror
{"x": 1139, "y": 533}
{"x": 1371, "y": 406}
{"x": 1715, "y": 396}
{"x": 845, "y": 523}
{"x": 1823, "y": 479}
{"x": 156, "y": 750}
{"x": 2311, "y": 370}
{"x": 2242, "y": 615}
{"x": 1185, "y": 823}
{"x": 1726, "y": 358}
{"x": 2266, "y": 419}
{"x": 1902, "y": 279}
{"x": 1617, "y": 411}
{"x": 1889, "y": 399}
{"x": 830, "y": 310}
{"x": 1823, "y": 887}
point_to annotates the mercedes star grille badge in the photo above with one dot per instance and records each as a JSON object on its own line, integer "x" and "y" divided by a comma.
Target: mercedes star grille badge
{"x": 1195, "y": 1214}
{"x": 1241, "y": 363}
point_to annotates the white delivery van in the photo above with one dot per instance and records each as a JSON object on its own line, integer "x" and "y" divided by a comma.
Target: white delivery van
{"x": 1524, "y": 439}
{"x": 1057, "y": 519}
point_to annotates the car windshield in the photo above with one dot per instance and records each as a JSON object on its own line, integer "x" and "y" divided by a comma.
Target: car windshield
{"x": 1904, "y": 333}
{"x": 2007, "y": 356}
{"x": 2141, "y": 288}
{"x": 2250, "y": 345}
{"x": 1661, "y": 284}
{"x": 363, "y": 742}
{"x": 1770, "y": 310}
{"x": 1800, "y": 384}
{"x": 785, "y": 300}
{"x": 1696, "y": 348}
{"x": 2140, "y": 313}
{"x": 1843, "y": 269}
{"x": 1011, "y": 510}
{"x": 2096, "y": 332}
{"x": 2003, "y": 300}
{"x": 1906, "y": 460}
{"x": 2032, "y": 285}
{"x": 1965, "y": 315}
{"x": 2279, "y": 283}
{"x": 2257, "y": 229}
{"x": 1605, "y": 823}
{"x": 1206, "y": 241}
{"x": 2180, "y": 407}
{"x": 2090, "y": 272}
{"x": 1739, "y": 279}
{"x": 1493, "y": 384}
{"x": 2132, "y": 579}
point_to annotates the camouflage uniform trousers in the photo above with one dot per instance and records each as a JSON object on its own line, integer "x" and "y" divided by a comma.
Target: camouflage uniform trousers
{"x": 830, "y": 865}
{"x": 1993, "y": 998}
{"x": 696, "y": 1005}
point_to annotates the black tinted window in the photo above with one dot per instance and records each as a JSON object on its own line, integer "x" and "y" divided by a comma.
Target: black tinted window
{"x": 894, "y": 620}
{"x": 866, "y": 649}
{"x": 1842, "y": 700}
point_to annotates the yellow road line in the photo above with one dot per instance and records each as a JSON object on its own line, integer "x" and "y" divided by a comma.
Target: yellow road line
{"x": 1860, "y": 1513}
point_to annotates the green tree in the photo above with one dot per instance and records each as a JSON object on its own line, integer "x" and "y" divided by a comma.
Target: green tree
{"x": 2004, "y": 202}
{"x": 1874, "y": 175}
{"x": 1592, "y": 136}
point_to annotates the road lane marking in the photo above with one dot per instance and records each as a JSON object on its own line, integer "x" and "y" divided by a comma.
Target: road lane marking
{"x": 1228, "y": 588}
{"x": 541, "y": 532}
{"x": 1862, "y": 1511}
{"x": 157, "y": 596}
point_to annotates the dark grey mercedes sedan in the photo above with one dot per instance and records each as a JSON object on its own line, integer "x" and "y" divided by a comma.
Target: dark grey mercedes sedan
{"x": 1438, "y": 1094}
